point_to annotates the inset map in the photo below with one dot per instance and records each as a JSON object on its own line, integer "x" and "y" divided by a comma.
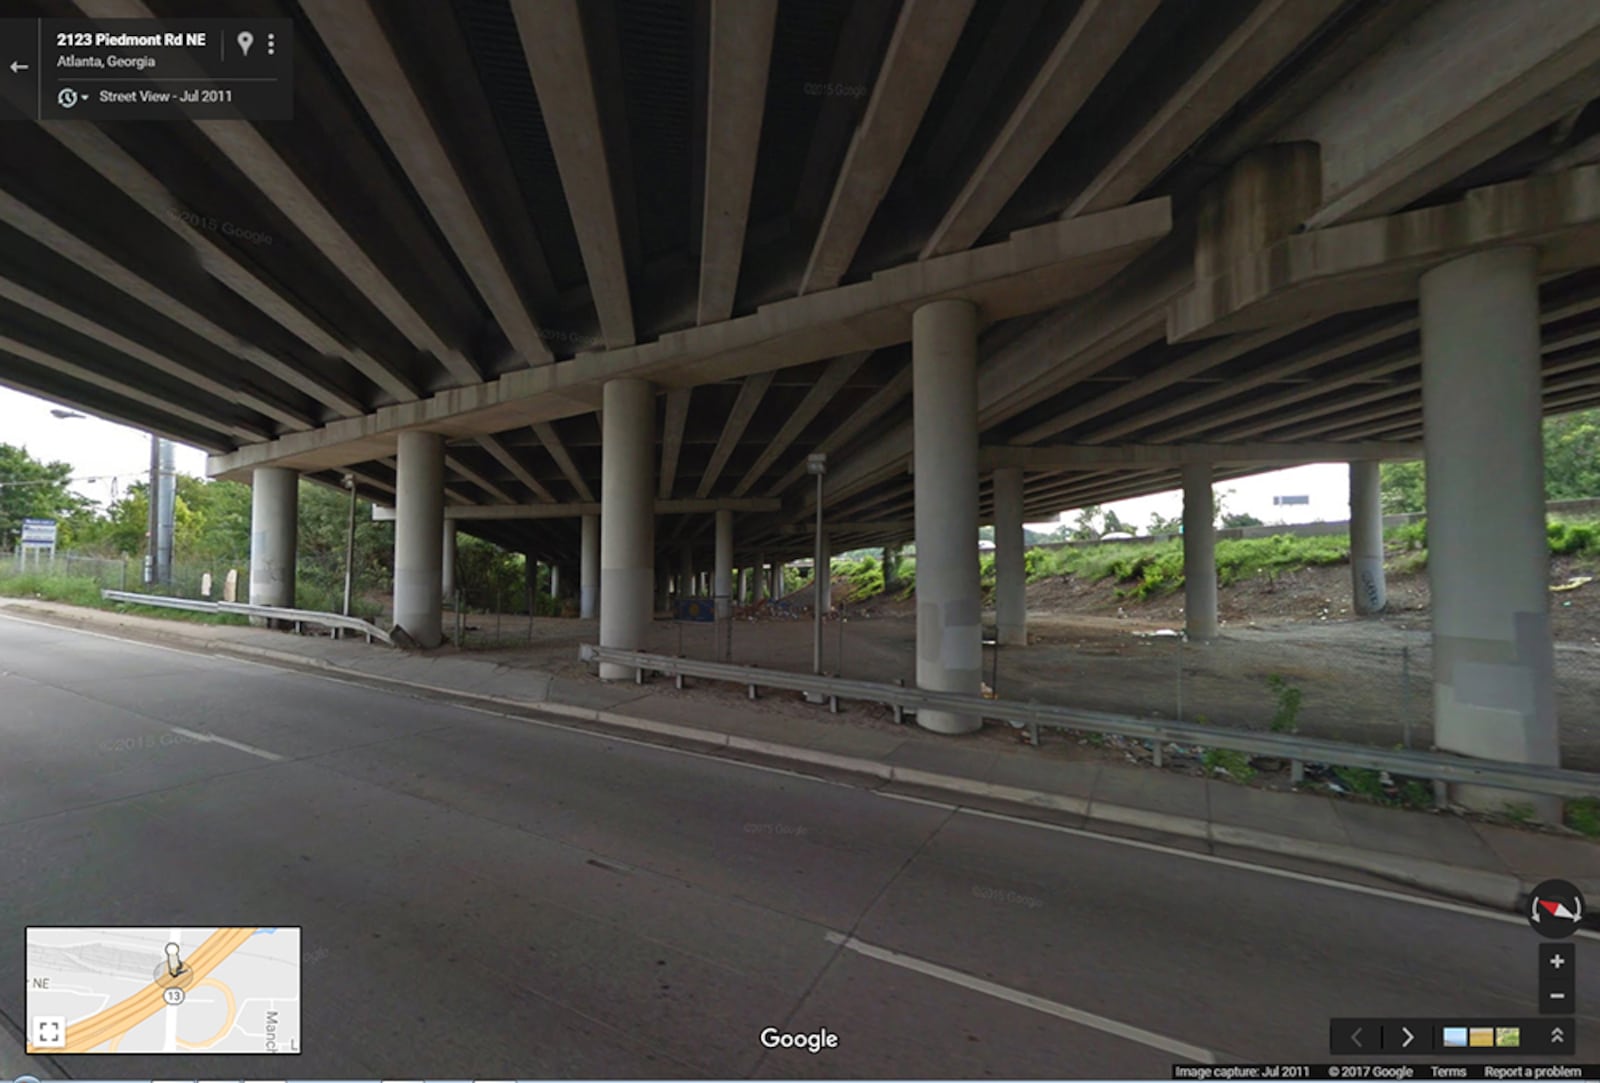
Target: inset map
{"x": 164, "y": 990}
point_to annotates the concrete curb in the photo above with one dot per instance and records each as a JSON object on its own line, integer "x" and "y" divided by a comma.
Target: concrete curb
{"x": 1498, "y": 890}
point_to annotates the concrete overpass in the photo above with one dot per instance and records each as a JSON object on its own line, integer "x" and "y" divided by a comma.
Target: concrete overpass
{"x": 520, "y": 262}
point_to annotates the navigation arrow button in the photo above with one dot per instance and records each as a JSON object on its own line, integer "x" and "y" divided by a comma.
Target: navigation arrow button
{"x": 1355, "y": 1038}
{"x": 17, "y": 65}
{"x": 1410, "y": 1037}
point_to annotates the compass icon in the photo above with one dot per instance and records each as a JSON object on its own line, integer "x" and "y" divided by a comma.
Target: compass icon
{"x": 1555, "y": 909}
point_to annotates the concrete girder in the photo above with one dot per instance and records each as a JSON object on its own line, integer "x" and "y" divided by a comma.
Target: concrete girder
{"x": 1464, "y": 81}
{"x": 1032, "y": 269}
{"x": 839, "y": 370}
{"x": 353, "y": 35}
{"x": 558, "y": 451}
{"x": 736, "y": 96}
{"x": 506, "y": 459}
{"x": 1085, "y": 455}
{"x": 1379, "y": 261}
{"x": 744, "y": 408}
{"x": 879, "y": 403}
{"x": 98, "y": 151}
{"x": 1271, "y": 34}
{"x": 1214, "y": 354}
{"x": 558, "y": 60}
{"x": 484, "y": 512}
{"x": 155, "y": 359}
{"x": 1303, "y": 360}
{"x": 924, "y": 37}
{"x": 90, "y": 258}
{"x": 160, "y": 403}
{"x": 1099, "y": 33}
{"x": 468, "y": 474}
{"x": 677, "y": 420}
{"x": 255, "y": 158}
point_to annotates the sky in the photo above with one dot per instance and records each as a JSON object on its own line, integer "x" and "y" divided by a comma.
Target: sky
{"x": 100, "y": 451}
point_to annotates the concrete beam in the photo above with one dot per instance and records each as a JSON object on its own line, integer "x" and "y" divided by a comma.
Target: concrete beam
{"x": 1096, "y": 38}
{"x": 1378, "y": 261}
{"x": 468, "y": 474}
{"x": 353, "y": 35}
{"x": 744, "y": 408}
{"x": 924, "y": 37}
{"x": 558, "y": 60}
{"x": 481, "y": 512}
{"x": 249, "y": 152}
{"x": 1032, "y": 269}
{"x": 506, "y": 459}
{"x": 558, "y": 451}
{"x": 677, "y": 420}
{"x": 1058, "y": 457}
{"x": 1204, "y": 360}
{"x": 88, "y": 256}
{"x": 98, "y": 151}
{"x": 1464, "y": 81}
{"x": 833, "y": 378}
{"x": 197, "y": 378}
{"x": 736, "y": 98}
{"x": 1270, "y": 35}
{"x": 881, "y": 402}
{"x": 90, "y": 374}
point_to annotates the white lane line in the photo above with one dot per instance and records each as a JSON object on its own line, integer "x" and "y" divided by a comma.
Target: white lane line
{"x": 211, "y": 738}
{"x": 1267, "y": 870}
{"x": 1027, "y": 1000}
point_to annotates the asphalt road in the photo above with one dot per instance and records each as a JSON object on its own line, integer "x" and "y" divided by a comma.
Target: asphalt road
{"x": 483, "y": 897}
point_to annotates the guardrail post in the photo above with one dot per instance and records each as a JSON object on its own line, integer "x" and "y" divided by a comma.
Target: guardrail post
{"x": 833, "y": 704}
{"x": 1157, "y": 755}
{"x": 677, "y": 679}
{"x": 1297, "y": 772}
{"x": 1033, "y": 734}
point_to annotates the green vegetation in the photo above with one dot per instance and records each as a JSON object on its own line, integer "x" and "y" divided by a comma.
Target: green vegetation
{"x": 85, "y": 591}
{"x": 1365, "y": 782}
{"x": 1234, "y": 762}
{"x": 1583, "y": 816}
{"x": 1288, "y": 708}
{"x": 1571, "y": 466}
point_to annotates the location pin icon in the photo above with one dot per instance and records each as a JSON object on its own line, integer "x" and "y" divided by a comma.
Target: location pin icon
{"x": 246, "y": 39}
{"x": 174, "y": 964}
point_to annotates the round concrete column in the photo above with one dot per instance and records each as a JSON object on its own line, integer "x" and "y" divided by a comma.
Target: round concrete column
{"x": 944, "y": 351}
{"x": 1010, "y": 573}
{"x": 419, "y": 536}
{"x": 663, "y": 589}
{"x": 589, "y": 569}
{"x": 763, "y": 579}
{"x": 1366, "y": 540}
{"x": 1199, "y": 553}
{"x": 686, "y": 577}
{"x": 722, "y": 585}
{"x": 447, "y": 562}
{"x": 274, "y": 534}
{"x": 1488, "y": 554}
{"x": 777, "y": 580}
{"x": 627, "y": 518}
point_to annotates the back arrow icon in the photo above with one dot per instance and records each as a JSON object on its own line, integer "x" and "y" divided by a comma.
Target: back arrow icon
{"x": 1355, "y": 1037}
{"x": 17, "y": 65}
{"x": 1410, "y": 1037}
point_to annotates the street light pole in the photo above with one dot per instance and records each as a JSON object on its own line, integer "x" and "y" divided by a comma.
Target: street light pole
{"x": 350, "y": 545}
{"x": 817, "y": 466}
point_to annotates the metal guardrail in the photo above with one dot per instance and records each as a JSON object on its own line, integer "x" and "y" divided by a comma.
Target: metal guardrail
{"x": 297, "y": 617}
{"x": 1439, "y": 766}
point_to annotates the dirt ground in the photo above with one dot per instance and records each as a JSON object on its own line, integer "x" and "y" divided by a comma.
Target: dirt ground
{"x": 1365, "y": 680}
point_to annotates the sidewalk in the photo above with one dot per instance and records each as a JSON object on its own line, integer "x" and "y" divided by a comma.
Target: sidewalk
{"x": 1449, "y": 855}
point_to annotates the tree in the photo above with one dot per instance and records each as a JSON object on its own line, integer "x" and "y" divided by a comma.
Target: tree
{"x": 1572, "y": 456}
{"x": 30, "y": 489}
{"x": 1160, "y": 524}
{"x": 1240, "y": 518}
{"x": 1402, "y": 488}
{"x": 1114, "y": 525}
{"x": 1083, "y": 528}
